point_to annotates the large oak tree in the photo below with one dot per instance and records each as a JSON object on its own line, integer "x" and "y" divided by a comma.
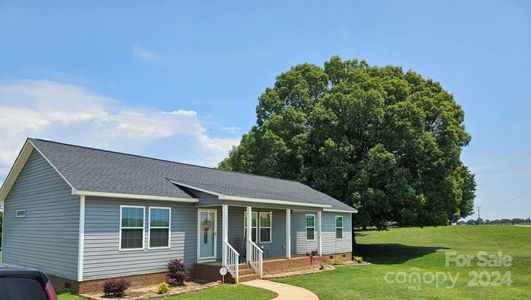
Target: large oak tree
{"x": 385, "y": 141}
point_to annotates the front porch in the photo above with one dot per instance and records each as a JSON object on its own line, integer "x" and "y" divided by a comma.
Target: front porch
{"x": 256, "y": 240}
{"x": 272, "y": 266}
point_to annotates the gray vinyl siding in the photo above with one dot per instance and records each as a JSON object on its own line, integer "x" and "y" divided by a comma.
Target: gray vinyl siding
{"x": 47, "y": 239}
{"x": 330, "y": 243}
{"x": 277, "y": 247}
{"x": 299, "y": 244}
{"x": 102, "y": 258}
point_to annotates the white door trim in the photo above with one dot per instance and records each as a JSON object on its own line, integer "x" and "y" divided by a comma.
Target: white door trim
{"x": 209, "y": 258}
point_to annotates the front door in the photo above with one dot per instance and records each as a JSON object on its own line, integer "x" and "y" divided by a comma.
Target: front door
{"x": 207, "y": 234}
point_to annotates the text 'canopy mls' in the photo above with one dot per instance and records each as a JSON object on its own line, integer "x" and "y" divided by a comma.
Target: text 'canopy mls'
{"x": 385, "y": 141}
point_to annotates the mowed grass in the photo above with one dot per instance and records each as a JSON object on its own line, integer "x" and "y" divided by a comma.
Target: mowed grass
{"x": 416, "y": 250}
{"x": 225, "y": 292}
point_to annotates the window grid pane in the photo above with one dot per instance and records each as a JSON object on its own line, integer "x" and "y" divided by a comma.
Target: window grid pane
{"x": 265, "y": 235}
{"x": 265, "y": 220}
{"x": 339, "y": 222}
{"x": 160, "y": 217}
{"x": 132, "y": 217}
{"x": 310, "y": 221}
{"x": 310, "y": 234}
{"x": 339, "y": 233}
{"x": 159, "y": 237}
{"x": 131, "y": 238}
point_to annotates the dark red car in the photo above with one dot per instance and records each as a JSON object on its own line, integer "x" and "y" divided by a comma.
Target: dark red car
{"x": 19, "y": 283}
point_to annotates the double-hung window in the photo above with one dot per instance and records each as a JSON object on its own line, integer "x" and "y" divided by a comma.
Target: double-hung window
{"x": 159, "y": 227}
{"x": 131, "y": 227}
{"x": 339, "y": 227}
{"x": 254, "y": 227}
{"x": 310, "y": 227}
{"x": 265, "y": 227}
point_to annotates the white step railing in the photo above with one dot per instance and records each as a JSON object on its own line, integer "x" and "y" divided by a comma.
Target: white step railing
{"x": 233, "y": 262}
{"x": 256, "y": 258}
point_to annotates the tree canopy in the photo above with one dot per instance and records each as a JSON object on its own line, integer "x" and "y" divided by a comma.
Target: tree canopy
{"x": 385, "y": 141}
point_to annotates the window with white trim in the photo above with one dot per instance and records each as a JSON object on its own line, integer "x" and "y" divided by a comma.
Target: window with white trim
{"x": 131, "y": 227}
{"x": 265, "y": 227}
{"x": 310, "y": 227}
{"x": 254, "y": 226}
{"x": 339, "y": 227}
{"x": 159, "y": 227}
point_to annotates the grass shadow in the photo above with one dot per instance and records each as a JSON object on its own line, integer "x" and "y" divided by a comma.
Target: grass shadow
{"x": 388, "y": 254}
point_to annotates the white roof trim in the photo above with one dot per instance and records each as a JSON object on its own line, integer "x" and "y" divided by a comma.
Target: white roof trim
{"x": 273, "y": 201}
{"x": 246, "y": 199}
{"x": 135, "y": 196}
{"x": 355, "y": 211}
{"x": 15, "y": 170}
{"x": 50, "y": 163}
{"x": 20, "y": 162}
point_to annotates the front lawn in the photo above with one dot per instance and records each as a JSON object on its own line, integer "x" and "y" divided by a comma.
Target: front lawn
{"x": 68, "y": 296}
{"x": 408, "y": 251}
{"x": 225, "y": 292}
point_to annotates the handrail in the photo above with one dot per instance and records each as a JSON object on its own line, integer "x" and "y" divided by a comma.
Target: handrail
{"x": 256, "y": 258}
{"x": 258, "y": 248}
{"x": 233, "y": 262}
{"x": 231, "y": 248}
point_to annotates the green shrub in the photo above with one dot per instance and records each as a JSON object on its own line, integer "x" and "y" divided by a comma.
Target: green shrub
{"x": 336, "y": 261}
{"x": 358, "y": 258}
{"x": 163, "y": 288}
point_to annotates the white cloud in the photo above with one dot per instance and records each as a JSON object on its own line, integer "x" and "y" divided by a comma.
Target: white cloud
{"x": 74, "y": 114}
{"x": 231, "y": 129}
{"x": 144, "y": 54}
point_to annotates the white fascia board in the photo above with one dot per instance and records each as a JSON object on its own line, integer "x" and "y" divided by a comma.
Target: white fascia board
{"x": 15, "y": 170}
{"x": 272, "y": 201}
{"x": 50, "y": 163}
{"x": 20, "y": 162}
{"x": 355, "y": 211}
{"x": 134, "y": 196}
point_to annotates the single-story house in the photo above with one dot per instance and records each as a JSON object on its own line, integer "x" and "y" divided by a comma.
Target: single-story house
{"x": 84, "y": 215}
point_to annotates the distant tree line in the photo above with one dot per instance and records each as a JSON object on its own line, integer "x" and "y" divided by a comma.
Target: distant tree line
{"x": 480, "y": 221}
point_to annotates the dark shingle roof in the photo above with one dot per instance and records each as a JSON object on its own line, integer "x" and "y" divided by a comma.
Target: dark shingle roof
{"x": 95, "y": 170}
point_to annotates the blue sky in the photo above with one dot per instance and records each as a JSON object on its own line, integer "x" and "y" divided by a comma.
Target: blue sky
{"x": 180, "y": 80}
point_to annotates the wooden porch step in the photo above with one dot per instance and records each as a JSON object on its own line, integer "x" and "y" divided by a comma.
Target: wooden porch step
{"x": 244, "y": 267}
{"x": 248, "y": 277}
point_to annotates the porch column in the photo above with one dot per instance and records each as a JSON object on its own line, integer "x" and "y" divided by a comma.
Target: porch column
{"x": 288, "y": 233}
{"x": 249, "y": 233}
{"x": 319, "y": 238}
{"x": 224, "y": 232}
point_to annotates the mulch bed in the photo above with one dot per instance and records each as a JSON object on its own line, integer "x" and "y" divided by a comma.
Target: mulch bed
{"x": 149, "y": 292}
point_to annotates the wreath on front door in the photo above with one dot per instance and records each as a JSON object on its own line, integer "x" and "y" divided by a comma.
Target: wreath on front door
{"x": 206, "y": 225}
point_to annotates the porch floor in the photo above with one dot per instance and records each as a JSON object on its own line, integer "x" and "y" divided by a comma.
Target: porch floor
{"x": 266, "y": 259}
